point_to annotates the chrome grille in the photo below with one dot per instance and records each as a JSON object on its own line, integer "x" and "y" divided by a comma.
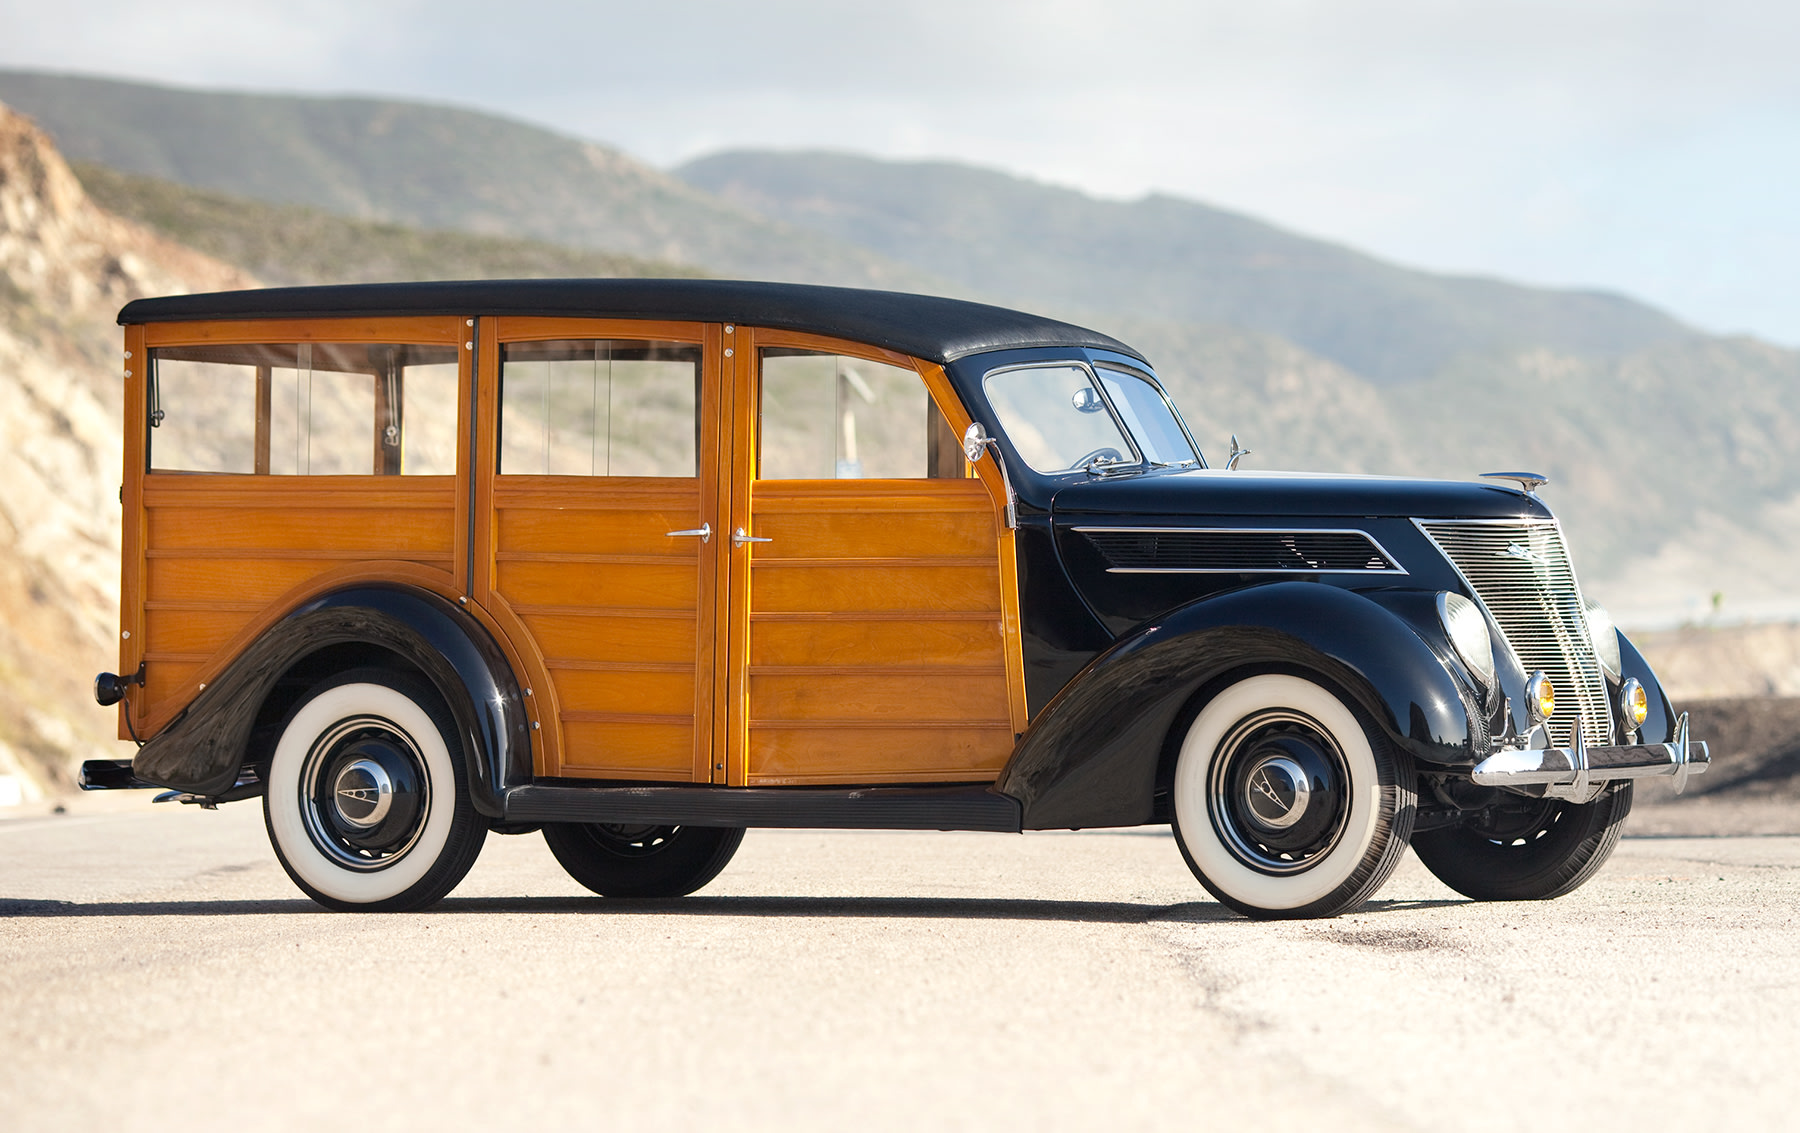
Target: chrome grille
{"x": 1520, "y": 572}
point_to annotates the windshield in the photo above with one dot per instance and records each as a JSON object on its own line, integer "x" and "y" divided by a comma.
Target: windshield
{"x": 1149, "y": 417}
{"x": 1056, "y": 419}
{"x": 1059, "y": 421}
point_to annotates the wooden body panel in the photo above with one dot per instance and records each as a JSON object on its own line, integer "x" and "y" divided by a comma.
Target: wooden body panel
{"x": 616, "y": 614}
{"x": 218, "y": 557}
{"x": 874, "y": 639}
{"x": 617, "y": 626}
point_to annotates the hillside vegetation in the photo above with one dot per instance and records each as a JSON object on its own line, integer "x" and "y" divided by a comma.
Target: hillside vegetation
{"x": 1165, "y": 258}
{"x": 298, "y": 244}
{"x": 430, "y": 167}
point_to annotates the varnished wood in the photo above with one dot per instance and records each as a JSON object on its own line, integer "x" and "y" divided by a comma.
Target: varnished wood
{"x": 265, "y": 399}
{"x": 172, "y": 685}
{"x": 134, "y": 370}
{"x": 875, "y": 640}
{"x": 585, "y": 570}
{"x": 868, "y": 638}
{"x": 429, "y": 330}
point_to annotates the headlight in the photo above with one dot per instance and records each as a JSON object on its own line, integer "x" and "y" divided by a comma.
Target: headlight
{"x": 1634, "y": 703}
{"x": 1540, "y": 697}
{"x": 1468, "y": 632}
{"x": 1606, "y": 638}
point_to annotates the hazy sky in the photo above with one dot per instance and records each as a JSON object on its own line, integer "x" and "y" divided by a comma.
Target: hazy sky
{"x": 1648, "y": 146}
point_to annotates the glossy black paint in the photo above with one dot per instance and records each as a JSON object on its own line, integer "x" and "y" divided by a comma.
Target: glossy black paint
{"x": 1659, "y": 726}
{"x": 1094, "y": 756}
{"x": 1059, "y": 633}
{"x": 925, "y": 326}
{"x": 203, "y": 750}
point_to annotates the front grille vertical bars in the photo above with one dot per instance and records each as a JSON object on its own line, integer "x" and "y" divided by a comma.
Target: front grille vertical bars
{"x": 1519, "y": 570}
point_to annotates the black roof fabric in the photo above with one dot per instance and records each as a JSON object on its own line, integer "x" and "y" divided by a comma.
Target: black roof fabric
{"x": 936, "y": 329}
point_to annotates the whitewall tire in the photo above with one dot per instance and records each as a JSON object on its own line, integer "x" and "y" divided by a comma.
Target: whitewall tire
{"x": 367, "y": 805}
{"x": 1288, "y": 802}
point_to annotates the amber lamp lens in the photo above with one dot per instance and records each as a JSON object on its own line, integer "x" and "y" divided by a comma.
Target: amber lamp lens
{"x": 1637, "y": 703}
{"x": 1543, "y": 696}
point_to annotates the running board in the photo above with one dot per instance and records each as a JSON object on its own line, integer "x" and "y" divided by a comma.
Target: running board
{"x": 867, "y": 808}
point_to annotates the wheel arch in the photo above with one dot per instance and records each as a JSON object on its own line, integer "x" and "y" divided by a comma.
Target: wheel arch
{"x": 390, "y": 626}
{"x": 1100, "y": 752}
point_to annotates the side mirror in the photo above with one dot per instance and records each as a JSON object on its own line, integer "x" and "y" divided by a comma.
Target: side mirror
{"x": 975, "y": 441}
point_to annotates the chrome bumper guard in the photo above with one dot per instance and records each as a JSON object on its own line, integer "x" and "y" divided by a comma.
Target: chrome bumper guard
{"x": 1579, "y": 772}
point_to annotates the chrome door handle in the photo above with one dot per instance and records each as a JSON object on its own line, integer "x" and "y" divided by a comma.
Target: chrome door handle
{"x": 738, "y": 538}
{"x": 704, "y": 531}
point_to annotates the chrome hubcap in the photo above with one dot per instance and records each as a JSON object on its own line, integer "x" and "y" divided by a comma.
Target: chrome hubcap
{"x": 363, "y": 793}
{"x": 1276, "y": 792}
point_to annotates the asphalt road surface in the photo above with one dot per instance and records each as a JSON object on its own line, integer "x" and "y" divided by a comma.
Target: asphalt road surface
{"x": 158, "y": 970}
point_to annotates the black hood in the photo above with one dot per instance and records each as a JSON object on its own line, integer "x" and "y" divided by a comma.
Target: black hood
{"x": 1262, "y": 495}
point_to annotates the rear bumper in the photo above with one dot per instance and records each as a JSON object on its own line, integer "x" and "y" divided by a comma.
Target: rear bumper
{"x": 111, "y": 775}
{"x": 1578, "y": 771}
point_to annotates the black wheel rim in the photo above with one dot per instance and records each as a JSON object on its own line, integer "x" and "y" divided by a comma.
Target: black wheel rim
{"x": 1518, "y": 826}
{"x": 631, "y": 841}
{"x": 364, "y": 793}
{"x": 1277, "y": 792}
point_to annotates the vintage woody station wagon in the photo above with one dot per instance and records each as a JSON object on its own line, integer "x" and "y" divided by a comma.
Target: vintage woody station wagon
{"x": 644, "y": 563}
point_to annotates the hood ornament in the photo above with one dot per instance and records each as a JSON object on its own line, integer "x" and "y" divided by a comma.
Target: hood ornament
{"x": 1529, "y": 482}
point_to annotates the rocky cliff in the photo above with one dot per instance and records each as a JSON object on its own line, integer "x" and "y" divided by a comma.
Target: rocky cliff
{"x": 66, "y": 267}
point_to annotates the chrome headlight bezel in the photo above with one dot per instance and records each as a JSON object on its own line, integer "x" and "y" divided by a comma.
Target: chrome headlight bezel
{"x": 1467, "y": 628}
{"x": 1604, "y": 632}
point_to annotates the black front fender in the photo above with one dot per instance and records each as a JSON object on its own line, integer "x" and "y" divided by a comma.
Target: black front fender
{"x": 203, "y": 751}
{"x": 1094, "y": 755}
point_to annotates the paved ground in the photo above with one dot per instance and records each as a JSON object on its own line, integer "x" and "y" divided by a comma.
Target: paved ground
{"x": 157, "y": 970}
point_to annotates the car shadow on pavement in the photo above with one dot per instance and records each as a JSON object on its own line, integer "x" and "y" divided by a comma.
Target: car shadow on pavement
{"x": 871, "y": 908}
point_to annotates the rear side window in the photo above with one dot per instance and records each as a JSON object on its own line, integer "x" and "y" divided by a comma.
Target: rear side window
{"x": 304, "y": 409}
{"x": 599, "y": 407}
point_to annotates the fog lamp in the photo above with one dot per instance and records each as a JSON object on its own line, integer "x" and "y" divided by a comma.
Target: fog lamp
{"x": 1634, "y": 702}
{"x": 1540, "y": 697}
{"x": 1605, "y": 634}
{"x": 1467, "y": 629}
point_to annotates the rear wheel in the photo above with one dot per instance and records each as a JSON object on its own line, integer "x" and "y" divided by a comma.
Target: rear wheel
{"x": 366, "y": 806}
{"x": 641, "y": 860}
{"x": 1533, "y": 851}
{"x": 1289, "y": 802}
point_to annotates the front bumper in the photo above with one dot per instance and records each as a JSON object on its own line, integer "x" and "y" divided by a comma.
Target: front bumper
{"x": 1580, "y": 772}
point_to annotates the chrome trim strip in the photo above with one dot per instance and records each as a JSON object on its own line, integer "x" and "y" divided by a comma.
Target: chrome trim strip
{"x": 1397, "y": 569}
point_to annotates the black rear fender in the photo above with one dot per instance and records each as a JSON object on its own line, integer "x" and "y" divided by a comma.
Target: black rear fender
{"x": 204, "y": 751}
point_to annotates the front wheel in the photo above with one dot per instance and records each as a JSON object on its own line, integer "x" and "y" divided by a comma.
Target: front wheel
{"x": 366, "y": 806}
{"x": 1532, "y": 851}
{"x": 1289, "y": 802}
{"x": 642, "y": 861}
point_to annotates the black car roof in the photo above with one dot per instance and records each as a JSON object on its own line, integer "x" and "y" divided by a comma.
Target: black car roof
{"x": 925, "y": 326}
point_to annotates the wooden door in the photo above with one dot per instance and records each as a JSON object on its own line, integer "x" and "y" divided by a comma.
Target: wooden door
{"x": 873, "y": 618}
{"x": 600, "y": 445}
